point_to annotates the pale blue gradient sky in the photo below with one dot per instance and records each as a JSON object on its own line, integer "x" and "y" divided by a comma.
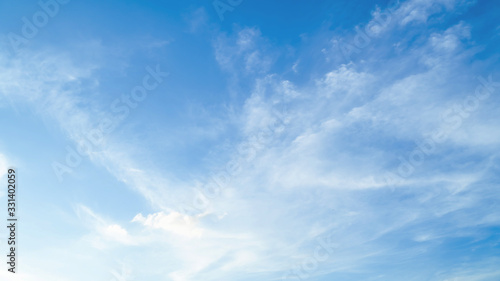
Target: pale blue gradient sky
{"x": 292, "y": 140}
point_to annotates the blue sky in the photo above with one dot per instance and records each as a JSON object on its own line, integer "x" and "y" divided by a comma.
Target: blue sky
{"x": 252, "y": 140}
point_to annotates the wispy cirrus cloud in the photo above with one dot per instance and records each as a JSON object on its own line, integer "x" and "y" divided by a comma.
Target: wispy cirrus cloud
{"x": 314, "y": 180}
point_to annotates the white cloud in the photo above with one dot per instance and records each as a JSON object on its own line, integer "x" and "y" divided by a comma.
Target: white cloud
{"x": 315, "y": 176}
{"x": 245, "y": 51}
{"x": 420, "y": 10}
{"x": 103, "y": 232}
{"x": 174, "y": 222}
{"x": 56, "y": 88}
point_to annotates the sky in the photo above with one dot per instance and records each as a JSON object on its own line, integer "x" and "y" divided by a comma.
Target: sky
{"x": 251, "y": 140}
